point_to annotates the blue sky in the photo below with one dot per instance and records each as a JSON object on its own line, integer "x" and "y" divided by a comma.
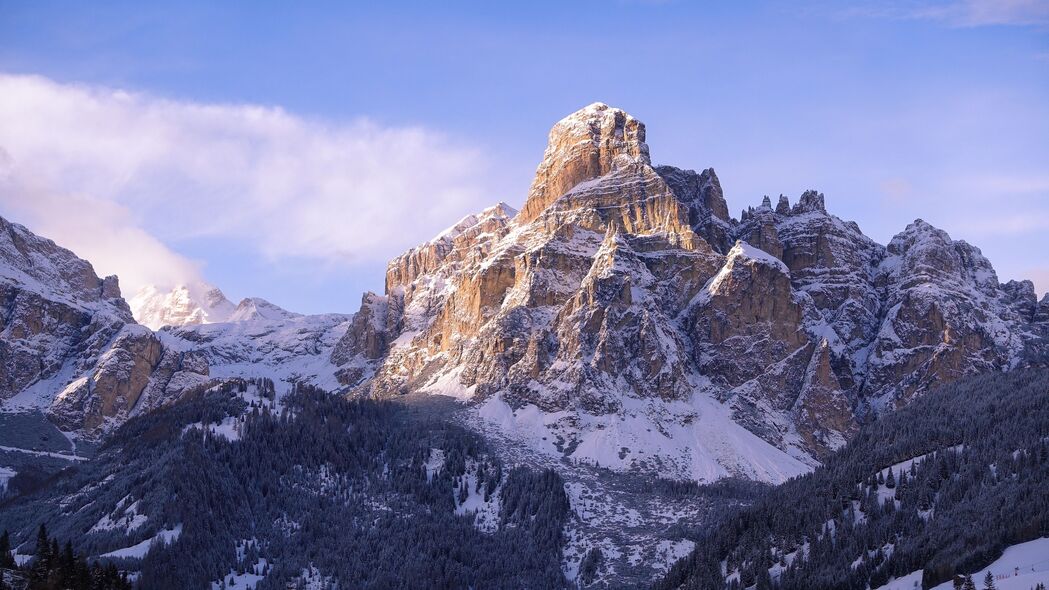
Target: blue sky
{"x": 895, "y": 110}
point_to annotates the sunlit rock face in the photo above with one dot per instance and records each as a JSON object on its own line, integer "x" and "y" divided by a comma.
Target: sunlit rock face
{"x": 624, "y": 298}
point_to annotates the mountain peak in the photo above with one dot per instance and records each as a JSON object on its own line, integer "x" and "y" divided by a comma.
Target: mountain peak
{"x": 257, "y": 308}
{"x": 587, "y": 144}
{"x": 182, "y": 305}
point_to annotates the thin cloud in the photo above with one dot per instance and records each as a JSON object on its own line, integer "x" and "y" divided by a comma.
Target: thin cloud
{"x": 961, "y": 13}
{"x": 1005, "y": 225}
{"x": 114, "y": 175}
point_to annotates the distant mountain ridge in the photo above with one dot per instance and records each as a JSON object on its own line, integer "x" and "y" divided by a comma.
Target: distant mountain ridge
{"x": 186, "y": 305}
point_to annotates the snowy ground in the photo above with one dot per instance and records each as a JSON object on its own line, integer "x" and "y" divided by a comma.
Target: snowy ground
{"x": 5, "y": 475}
{"x": 1020, "y": 567}
{"x": 251, "y": 576}
{"x": 139, "y": 550}
{"x": 695, "y": 440}
{"x": 640, "y": 532}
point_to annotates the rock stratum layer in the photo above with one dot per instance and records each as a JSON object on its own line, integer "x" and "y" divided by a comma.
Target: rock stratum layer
{"x": 623, "y": 317}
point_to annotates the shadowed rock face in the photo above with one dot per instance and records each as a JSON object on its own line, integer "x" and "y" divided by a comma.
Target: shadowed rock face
{"x": 620, "y": 284}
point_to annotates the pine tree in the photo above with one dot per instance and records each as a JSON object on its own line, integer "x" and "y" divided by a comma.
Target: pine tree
{"x": 6, "y": 559}
{"x": 890, "y": 481}
{"x": 969, "y": 584}
{"x": 988, "y": 582}
{"x": 43, "y": 544}
{"x": 42, "y": 562}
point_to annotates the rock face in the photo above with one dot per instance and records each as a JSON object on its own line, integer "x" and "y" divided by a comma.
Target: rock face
{"x": 114, "y": 385}
{"x": 623, "y": 317}
{"x": 66, "y": 331}
{"x": 591, "y": 143}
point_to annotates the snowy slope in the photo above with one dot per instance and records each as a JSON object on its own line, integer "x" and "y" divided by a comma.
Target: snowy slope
{"x": 288, "y": 348}
{"x": 1020, "y": 567}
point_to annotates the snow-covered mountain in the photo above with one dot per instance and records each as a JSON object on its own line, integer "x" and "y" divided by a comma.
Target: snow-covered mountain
{"x": 70, "y": 348}
{"x": 185, "y": 305}
{"x": 624, "y": 318}
{"x": 256, "y": 308}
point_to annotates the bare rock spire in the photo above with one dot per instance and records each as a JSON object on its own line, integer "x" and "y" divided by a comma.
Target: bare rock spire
{"x": 589, "y": 143}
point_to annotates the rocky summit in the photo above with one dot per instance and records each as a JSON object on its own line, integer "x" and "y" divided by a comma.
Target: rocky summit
{"x": 621, "y": 318}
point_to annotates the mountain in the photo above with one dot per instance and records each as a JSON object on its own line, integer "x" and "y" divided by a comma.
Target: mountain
{"x": 623, "y": 318}
{"x": 199, "y": 304}
{"x": 71, "y": 350}
{"x": 69, "y": 345}
{"x": 618, "y": 335}
{"x": 182, "y": 305}
{"x": 256, "y": 308}
{"x": 940, "y": 488}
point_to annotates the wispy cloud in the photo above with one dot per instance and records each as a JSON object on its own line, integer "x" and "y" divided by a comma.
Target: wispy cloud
{"x": 1004, "y": 225}
{"x": 961, "y": 13}
{"x": 111, "y": 174}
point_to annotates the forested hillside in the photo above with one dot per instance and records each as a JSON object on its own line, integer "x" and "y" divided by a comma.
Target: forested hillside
{"x": 233, "y": 485}
{"x": 941, "y": 486}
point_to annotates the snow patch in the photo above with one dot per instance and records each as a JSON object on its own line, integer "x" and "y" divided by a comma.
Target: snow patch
{"x": 139, "y": 550}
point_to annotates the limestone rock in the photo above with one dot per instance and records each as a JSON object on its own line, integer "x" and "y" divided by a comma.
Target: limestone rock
{"x": 587, "y": 144}
{"x": 113, "y": 387}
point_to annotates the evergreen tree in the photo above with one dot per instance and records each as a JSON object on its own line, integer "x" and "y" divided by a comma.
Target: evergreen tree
{"x": 43, "y": 544}
{"x": 988, "y": 582}
{"x": 969, "y": 584}
{"x": 6, "y": 559}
